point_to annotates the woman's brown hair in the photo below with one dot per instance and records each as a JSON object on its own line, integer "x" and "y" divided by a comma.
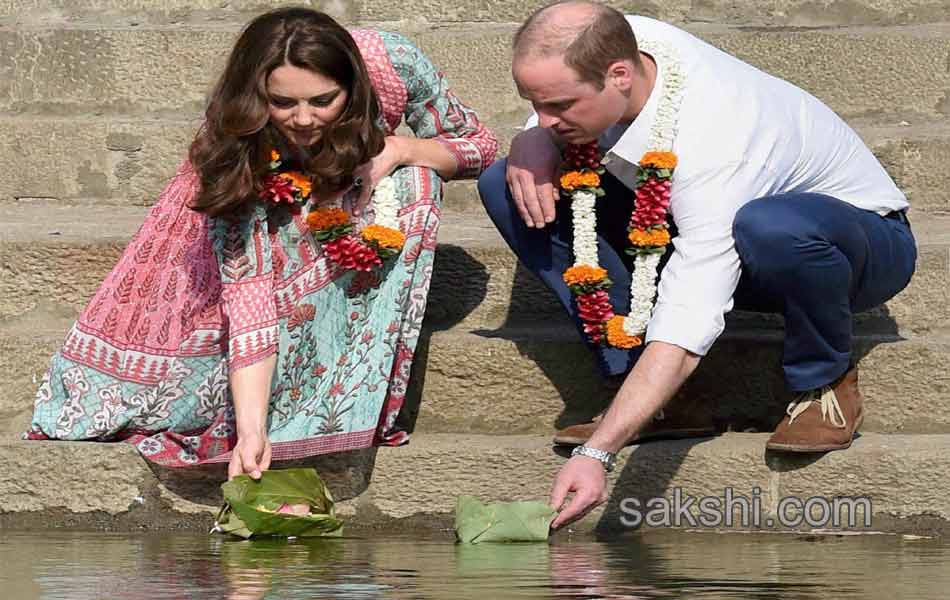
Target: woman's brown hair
{"x": 231, "y": 151}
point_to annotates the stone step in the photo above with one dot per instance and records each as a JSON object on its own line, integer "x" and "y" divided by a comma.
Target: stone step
{"x": 883, "y": 482}
{"x": 57, "y": 255}
{"x": 129, "y": 161}
{"x": 478, "y": 282}
{"x": 744, "y": 12}
{"x": 92, "y": 68}
{"x": 520, "y": 379}
{"x": 534, "y": 379}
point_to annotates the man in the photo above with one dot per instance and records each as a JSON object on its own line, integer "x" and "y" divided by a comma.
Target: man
{"x": 775, "y": 205}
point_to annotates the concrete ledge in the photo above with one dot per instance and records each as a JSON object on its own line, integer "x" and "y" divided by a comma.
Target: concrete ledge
{"x": 91, "y": 68}
{"x": 110, "y": 487}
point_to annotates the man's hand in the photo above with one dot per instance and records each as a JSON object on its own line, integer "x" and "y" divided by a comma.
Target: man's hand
{"x": 585, "y": 477}
{"x": 531, "y": 174}
{"x": 251, "y": 455}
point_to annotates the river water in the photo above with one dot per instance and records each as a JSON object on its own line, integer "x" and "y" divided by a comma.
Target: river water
{"x": 644, "y": 564}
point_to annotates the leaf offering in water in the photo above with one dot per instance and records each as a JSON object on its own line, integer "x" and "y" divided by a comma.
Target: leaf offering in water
{"x": 286, "y": 503}
{"x": 476, "y": 522}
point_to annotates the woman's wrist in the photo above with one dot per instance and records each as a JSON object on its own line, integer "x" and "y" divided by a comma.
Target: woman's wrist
{"x": 399, "y": 150}
{"x": 253, "y": 428}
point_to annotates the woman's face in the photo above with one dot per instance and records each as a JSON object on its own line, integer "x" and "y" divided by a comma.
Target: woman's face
{"x": 303, "y": 102}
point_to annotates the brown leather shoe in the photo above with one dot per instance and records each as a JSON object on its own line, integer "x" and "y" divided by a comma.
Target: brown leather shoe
{"x": 821, "y": 420}
{"x": 666, "y": 425}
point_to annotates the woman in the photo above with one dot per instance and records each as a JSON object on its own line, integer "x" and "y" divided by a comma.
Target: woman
{"x": 267, "y": 309}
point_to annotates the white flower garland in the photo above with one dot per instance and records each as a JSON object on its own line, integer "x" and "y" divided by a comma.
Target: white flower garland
{"x": 662, "y": 135}
{"x": 385, "y": 204}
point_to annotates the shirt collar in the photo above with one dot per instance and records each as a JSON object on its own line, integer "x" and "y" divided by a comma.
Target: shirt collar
{"x": 628, "y": 142}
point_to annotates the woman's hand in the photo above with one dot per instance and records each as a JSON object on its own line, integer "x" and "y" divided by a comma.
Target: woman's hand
{"x": 251, "y": 455}
{"x": 380, "y": 166}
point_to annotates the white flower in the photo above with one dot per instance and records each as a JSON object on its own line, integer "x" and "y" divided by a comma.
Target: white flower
{"x": 642, "y": 291}
{"x": 385, "y": 203}
{"x": 585, "y": 228}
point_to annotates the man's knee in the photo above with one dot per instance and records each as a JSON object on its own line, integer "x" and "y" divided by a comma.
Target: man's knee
{"x": 493, "y": 187}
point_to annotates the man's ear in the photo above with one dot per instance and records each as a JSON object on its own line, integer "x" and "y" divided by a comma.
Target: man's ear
{"x": 620, "y": 74}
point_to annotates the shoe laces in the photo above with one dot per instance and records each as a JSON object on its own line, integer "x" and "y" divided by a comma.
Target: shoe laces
{"x": 825, "y": 398}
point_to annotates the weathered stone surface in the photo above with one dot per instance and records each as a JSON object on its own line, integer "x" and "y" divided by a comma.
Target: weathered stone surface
{"x": 91, "y": 70}
{"x": 901, "y": 475}
{"x": 110, "y": 485}
{"x": 127, "y": 162}
{"x": 48, "y": 254}
{"x": 533, "y": 381}
{"x": 746, "y": 12}
{"x": 160, "y": 11}
{"x": 121, "y": 161}
{"x": 74, "y": 477}
{"x": 916, "y": 160}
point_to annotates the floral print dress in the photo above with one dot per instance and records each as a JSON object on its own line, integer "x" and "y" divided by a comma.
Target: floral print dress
{"x": 194, "y": 298}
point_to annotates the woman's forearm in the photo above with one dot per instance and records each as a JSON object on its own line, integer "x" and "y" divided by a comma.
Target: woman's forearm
{"x": 425, "y": 152}
{"x": 250, "y": 389}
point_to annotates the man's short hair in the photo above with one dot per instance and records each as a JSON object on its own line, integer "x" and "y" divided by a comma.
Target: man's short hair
{"x": 589, "y": 47}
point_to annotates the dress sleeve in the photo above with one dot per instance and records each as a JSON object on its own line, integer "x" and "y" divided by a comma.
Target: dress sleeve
{"x": 434, "y": 111}
{"x": 243, "y": 251}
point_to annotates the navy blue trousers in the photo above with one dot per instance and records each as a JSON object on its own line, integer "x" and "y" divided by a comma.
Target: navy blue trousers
{"x": 812, "y": 258}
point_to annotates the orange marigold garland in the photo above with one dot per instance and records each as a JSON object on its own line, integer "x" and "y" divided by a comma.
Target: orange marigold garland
{"x": 332, "y": 226}
{"x": 647, "y": 234}
{"x": 647, "y": 230}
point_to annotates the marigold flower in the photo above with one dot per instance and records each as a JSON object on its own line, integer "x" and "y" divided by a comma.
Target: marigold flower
{"x": 385, "y": 237}
{"x": 300, "y": 181}
{"x": 274, "y": 156}
{"x": 650, "y": 238}
{"x": 584, "y": 275}
{"x": 617, "y": 337}
{"x": 573, "y": 180}
{"x": 327, "y": 218}
{"x": 658, "y": 160}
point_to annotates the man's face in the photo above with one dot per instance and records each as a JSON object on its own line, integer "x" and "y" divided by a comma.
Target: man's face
{"x": 577, "y": 111}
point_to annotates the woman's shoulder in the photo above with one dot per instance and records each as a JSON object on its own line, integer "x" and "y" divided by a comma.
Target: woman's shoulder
{"x": 398, "y": 48}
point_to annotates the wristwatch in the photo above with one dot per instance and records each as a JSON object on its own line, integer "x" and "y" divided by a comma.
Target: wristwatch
{"x": 608, "y": 459}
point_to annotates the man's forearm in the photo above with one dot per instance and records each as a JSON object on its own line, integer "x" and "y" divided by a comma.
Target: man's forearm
{"x": 658, "y": 374}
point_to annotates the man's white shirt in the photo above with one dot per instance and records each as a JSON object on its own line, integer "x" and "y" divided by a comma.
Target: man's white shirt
{"x": 742, "y": 135}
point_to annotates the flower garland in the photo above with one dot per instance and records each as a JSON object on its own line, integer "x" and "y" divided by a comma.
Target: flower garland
{"x": 375, "y": 244}
{"x": 648, "y": 235}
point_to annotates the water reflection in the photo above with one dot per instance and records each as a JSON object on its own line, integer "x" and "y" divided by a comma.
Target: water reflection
{"x": 645, "y": 565}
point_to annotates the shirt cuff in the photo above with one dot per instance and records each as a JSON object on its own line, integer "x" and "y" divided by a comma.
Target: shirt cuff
{"x": 692, "y": 328}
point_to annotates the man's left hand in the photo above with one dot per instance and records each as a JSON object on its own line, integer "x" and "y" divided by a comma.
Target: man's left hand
{"x": 585, "y": 477}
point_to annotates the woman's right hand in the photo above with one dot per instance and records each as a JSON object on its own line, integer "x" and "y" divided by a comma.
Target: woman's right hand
{"x": 251, "y": 455}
